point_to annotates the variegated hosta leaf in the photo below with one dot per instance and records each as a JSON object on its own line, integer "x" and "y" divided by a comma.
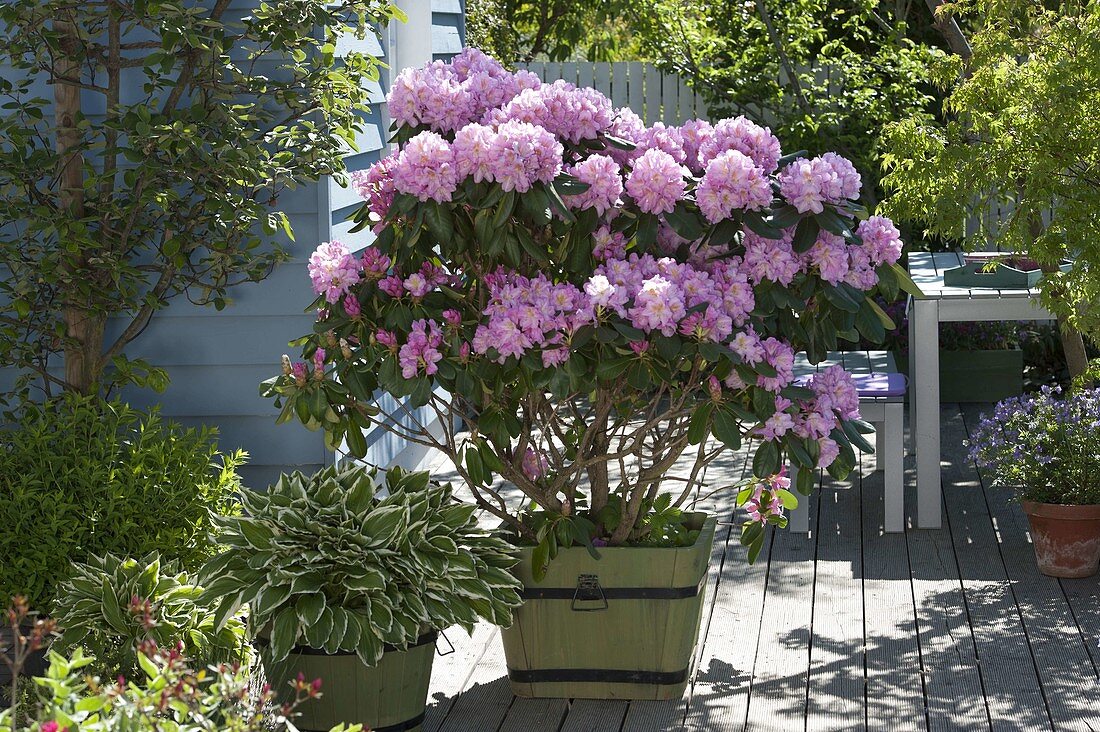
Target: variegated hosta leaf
{"x": 353, "y": 559}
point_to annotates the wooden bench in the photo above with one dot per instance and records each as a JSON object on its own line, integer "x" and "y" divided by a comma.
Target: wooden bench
{"x": 885, "y": 412}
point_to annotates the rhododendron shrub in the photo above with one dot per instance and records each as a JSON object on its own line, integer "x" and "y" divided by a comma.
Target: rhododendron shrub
{"x": 585, "y": 300}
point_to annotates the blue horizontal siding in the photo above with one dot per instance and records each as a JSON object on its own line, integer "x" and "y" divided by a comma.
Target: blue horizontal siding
{"x": 448, "y": 28}
{"x": 216, "y": 359}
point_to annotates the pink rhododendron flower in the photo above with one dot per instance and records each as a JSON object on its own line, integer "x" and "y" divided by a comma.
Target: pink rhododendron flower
{"x": 375, "y": 264}
{"x": 568, "y": 112}
{"x": 332, "y": 270}
{"x": 732, "y": 182}
{"x": 746, "y": 137}
{"x": 524, "y": 154}
{"x": 830, "y": 255}
{"x": 425, "y": 168}
{"x": 534, "y": 465}
{"x": 694, "y": 133}
{"x": 351, "y": 305}
{"x": 656, "y": 183}
{"x": 608, "y": 244}
{"x": 668, "y": 139}
{"x": 393, "y": 286}
{"x": 605, "y": 184}
{"x": 882, "y": 240}
{"x": 375, "y": 185}
{"x": 771, "y": 259}
{"x": 809, "y": 184}
{"x": 473, "y": 155}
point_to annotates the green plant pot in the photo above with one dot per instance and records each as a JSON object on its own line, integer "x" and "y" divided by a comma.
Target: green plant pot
{"x": 977, "y": 376}
{"x": 621, "y": 627}
{"x": 389, "y": 697}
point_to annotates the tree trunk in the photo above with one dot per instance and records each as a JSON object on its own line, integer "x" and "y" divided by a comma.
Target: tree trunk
{"x": 1073, "y": 343}
{"x": 83, "y": 326}
{"x": 950, "y": 30}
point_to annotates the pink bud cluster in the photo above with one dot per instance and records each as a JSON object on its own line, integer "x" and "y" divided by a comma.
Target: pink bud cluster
{"x": 421, "y": 353}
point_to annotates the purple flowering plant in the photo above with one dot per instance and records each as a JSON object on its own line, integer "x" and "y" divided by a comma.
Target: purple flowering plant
{"x": 587, "y": 299}
{"x": 1043, "y": 445}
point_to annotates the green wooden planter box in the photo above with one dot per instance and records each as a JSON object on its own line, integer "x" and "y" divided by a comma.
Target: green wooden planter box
{"x": 389, "y": 697}
{"x": 981, "y": 376}
{"x": 978, "y": 376}
{"x": 1002, "y": 275}
{"x": 621, "y": 627}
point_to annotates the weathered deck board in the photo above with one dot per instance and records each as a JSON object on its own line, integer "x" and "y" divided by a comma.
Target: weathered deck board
{"x": 593, "y": 715}
{"x": 528, "y": 714}
{"x": 1012, "y": 689}
{"x": 1083, "y": 596}
{"x": 954, "y": 699}
{"x": 719, "y": 697}
{"x": 953, "y": 628}
{"x": 778, "y": 698}
{"x": 895, "y": 692}
{"x": 1061, "y": 657}
{"x": 835, "y": 700}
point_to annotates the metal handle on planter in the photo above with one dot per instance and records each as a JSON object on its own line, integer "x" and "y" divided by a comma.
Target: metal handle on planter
{"x": 588, "y": 590}
{"x": 444, "y": 637}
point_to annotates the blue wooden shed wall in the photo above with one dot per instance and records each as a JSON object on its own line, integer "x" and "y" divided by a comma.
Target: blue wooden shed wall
{"x": 216, "y": 360}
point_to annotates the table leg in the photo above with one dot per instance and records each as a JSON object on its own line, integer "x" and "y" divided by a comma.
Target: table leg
{"x": 925, "y": 347}
{"x": 912, "y": 378}
{"x": 893, "y": 459}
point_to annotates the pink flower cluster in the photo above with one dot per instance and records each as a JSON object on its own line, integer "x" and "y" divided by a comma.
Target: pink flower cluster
{"x": 739, "y": 134}
{"x": 657, "y": 182}
{"x": 375, "y": 185}
{"x": 732, "y": 181}
{"x": 516, "y": 155}
{"x": 421, "y": 350}
{"x": 333, "y": 270}
{"x": 568, "y": 112}
{"x": 656, "y": 294}
{"x": 425, "y": 168}
{"x": 765, "y": 500}
{"x": 605, "y": 185}
{"x": 446, "y": 96}
{"x": 525, "y": 313}
{"x": 810, "y": 184}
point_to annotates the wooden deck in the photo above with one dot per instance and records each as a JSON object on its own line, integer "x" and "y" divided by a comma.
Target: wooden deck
{"x": 849, "y": 628}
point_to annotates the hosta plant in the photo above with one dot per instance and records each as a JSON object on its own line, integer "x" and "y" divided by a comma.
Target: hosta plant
{"x": 351, "y": 559}
{"x": 109, "y": 605}
{"x": 577, "y": 300}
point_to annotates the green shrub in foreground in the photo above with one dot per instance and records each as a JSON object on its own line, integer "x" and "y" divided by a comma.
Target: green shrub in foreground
{"x": 83, "y": 477}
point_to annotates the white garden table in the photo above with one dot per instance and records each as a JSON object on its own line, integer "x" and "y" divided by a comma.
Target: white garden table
{"x": 945, "y": 304}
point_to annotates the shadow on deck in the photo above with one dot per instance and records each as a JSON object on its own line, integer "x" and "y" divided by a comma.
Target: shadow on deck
{"x": 848, "y": 628}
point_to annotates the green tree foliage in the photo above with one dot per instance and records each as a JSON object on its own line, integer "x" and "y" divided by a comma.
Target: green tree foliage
{"x": 489, "y": 29}
{"x": 558, "y": 30}
{"x": 1020, "y": 135}
{"x": 145, "y": 147}
{"x": 824, "y": 75}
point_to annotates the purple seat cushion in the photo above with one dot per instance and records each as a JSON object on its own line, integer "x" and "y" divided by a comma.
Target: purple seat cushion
{"x": 880, "y": 385}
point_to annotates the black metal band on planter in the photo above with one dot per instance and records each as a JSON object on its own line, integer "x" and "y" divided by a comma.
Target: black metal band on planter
{"x": 399, "y": 727}
{"x": 612, "y": 593}
{"x": 607, "y": 675}
{"x": 423, "y": 640}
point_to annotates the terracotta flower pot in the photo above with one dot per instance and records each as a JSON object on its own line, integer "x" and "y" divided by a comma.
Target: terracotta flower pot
{"x": 1066, "y": 538}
